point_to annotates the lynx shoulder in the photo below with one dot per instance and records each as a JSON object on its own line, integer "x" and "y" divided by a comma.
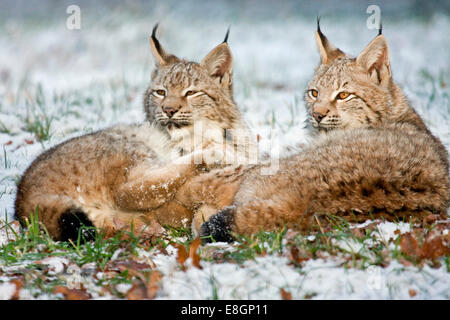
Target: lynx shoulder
{"x": 373, "y": 155}
{"x": 128, "y": 174}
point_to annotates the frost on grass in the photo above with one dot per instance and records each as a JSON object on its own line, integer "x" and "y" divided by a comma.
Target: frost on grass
{"x": 95, "y": 77}
{"x": 350, "y": 262}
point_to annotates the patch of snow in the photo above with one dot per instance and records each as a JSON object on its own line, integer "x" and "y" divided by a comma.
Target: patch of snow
{"x": 386, "y": 230}
{"x": 318, "y": 279}
{"x": 7, "y": 290}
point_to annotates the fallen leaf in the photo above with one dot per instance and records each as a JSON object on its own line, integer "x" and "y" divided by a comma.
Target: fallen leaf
{"x": 358, "y": 232}
{"x": 19, "y": 285}
{"x": 285, "y": 295}
{"x": 72, "y": 294}
{"x": 153, "y": 284}
{"x": 137, "y": 292}
{"x": 29, "y": 141}
{"x": 151, "y": 229}
{"x": 409, "y": 245}
{"x": 131, "y": 264}
{"x": 7, "y": 143}
{"x": 182, "y": 254}
{"x": 133, "y": 268}
{"x": 193, "y": 252}
{"x": 412, "y": 293}
{"x": 434, "y": 246}
{"x": 405, "y": 262}
{"x": 298, "y": 256}
{"x": 161, "y": 249}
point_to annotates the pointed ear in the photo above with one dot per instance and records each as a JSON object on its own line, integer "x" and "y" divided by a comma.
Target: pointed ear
{"x": 161, "y": 56}
{"x": 327, "y": 51}
{"x": 375, "y": 60}
{"x": 219, "y": 63}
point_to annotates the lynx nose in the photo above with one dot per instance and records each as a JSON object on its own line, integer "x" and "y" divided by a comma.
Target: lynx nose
{"x": 170, "y": 111}
{"x": 318, "y": 116}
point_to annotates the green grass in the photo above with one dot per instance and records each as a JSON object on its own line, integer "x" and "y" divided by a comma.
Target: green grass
{"x": 4, "y": 129}
{"x": 39, "y": 125}
{"x": 33, "y": 244}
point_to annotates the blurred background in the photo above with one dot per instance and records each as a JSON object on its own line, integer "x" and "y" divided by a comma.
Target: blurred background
{"x": 57, "y": 82}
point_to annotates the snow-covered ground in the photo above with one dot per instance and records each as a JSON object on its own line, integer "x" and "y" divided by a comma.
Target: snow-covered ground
{"x": 76, "y": 81}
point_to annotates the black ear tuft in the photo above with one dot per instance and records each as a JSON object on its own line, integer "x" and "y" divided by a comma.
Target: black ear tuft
{"x": 154, "y": 30}
{"x": 380, "y": 30}
{"x": 321, "y": 35}
{"x": 226, "y": 36}
{"x": 157, "y": 45}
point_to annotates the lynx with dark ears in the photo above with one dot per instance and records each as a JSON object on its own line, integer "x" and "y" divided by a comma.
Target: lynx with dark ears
{"x": 129, "y": 174}
{"x": 376, "y": 157}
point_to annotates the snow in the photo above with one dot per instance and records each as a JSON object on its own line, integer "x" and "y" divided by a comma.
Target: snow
{"x": 386, "y": 230}
{"x": 7, "y": 290}
{"x": 263, "y": 278}
{"x": 94, "y": 77}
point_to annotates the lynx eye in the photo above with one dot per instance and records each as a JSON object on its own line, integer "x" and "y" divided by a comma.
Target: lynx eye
{"x": 159, "y": 92}
{"x": 190, "y": 93}
{"x": 313, "y": 93}
{"x": 343, "y": 95}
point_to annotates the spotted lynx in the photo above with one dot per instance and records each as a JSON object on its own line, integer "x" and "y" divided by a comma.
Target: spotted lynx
{"x": 129, "y": 174}
{"x": 375, "y": 156}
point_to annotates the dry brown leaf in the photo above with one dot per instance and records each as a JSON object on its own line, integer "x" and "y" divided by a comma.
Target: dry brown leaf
{"x": 412, "y": 293}
{"x": 133, "y": 268}
{"x": 72, "y": 294}
{"x": 19, "y": 285}
{"x": 131, "y": 264}
{"x": 358, "y": 232}
{"x": 405, "y": 262}
{"x": 298, "y": 256}
{"x": 285, "y": 295}
{"x": 434, "y": 246}
{"x": 153, "y": 284}
{"x": 137, "y": 292}
{"x": 409, "y": 245}
{"x": 193, "y": 252}
{"x": 182, "y": 254}
{"x": 151, "y": 229}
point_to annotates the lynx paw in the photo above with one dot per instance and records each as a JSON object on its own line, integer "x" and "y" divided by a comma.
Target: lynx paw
{"x": 218, "y": 227}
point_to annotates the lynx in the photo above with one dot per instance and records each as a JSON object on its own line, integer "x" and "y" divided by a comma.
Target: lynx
{"x": 128, "y": 175}
{"x": 374, "y": 157}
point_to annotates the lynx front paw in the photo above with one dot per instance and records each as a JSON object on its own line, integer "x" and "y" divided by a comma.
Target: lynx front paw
{"x": 218, "y": 227}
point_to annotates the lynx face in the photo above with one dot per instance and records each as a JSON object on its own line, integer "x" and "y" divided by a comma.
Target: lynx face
{"x": 348, "y": 92}
{"x": 184, "y": 92}
{"x": 180, "y": 94}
